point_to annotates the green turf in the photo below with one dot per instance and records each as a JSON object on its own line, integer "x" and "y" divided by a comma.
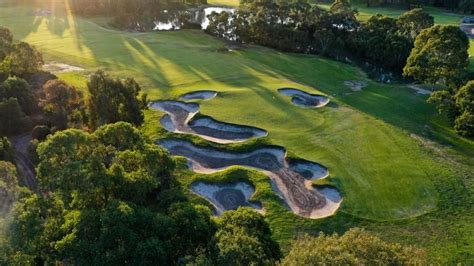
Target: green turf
{"x": 369, "y": 140}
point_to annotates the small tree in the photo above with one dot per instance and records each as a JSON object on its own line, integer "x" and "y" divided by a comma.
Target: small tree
{"x": 18, "y": 88}
{"x": 24, "y": 59}
{"x": 6, "y": 150}
{"x": 440, "y": 54}
{"x": 6, "y": 40}
{"x": 112, "y": 100}
{"x": 12, "y": 118}
{"x": 63, "y": 105}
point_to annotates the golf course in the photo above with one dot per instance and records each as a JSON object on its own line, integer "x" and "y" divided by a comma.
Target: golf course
{"x": 398, "y": 166}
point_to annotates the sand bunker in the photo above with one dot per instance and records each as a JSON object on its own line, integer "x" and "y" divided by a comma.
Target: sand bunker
{"x": 180, "y": 119}
{"x": 199, "y": 95}
{"x": 356, "y": 85}
{"x": 304, "y": 99}
{"x": 61, "y": 68}
{"x": 228, "y": 196}
{"x": 292, "y": 186}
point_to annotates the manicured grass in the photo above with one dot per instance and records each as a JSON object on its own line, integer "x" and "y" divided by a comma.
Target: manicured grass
{"x": 368, "y": 140}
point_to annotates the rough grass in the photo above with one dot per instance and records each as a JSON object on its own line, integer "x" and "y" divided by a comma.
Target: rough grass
{"x": 404, "y": 187}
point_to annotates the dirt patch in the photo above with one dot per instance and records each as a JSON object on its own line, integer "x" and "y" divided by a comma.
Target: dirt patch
{"x": 199, "y": 95}
{"x": 310, "y": 202}
{"x": 229, "y": 196}
{"x": 304, "y": 99}
{"x": 419, "y": 89}
{"x": 356, "y": 85}
{"x": 61, "y": 68}
{"x": 180, "y": 119}
{"x": 43, "y": 12}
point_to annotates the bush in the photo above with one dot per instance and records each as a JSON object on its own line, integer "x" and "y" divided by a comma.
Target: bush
{"x": 355, "y": 247}
{"x": 40, "y": 132}
{"x": 464, "y": 124}
{"x": 6, "y": 151}
{"x": 12, "y": 118}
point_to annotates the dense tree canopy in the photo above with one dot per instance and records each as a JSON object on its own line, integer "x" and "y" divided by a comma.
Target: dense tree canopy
{"x": 355, "y": 247}
{"x": 91, "y": 169}
{"x": 244, "y": 238}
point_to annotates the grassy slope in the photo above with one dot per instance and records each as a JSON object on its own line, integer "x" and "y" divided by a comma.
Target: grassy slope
{"x": 364, "y": 137}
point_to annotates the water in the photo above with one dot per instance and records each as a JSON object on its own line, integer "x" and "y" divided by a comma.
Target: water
{"x": 169, "y": 19}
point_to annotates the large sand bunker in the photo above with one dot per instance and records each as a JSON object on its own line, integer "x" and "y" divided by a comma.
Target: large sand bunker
{"x": 229, "y": 196}
{"x": 304, "y": 99}
{"x": 180, "y": 118}
{"x": 199, "y": 95}
{"x": 310, "y": 202}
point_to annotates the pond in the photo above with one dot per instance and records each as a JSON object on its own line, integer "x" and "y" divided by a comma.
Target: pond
{"x": 170, "y": 19}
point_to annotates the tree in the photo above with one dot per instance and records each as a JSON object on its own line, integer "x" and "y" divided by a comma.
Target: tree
{"x": 12, "y": 118}
{"x": 411, "y": 23}
{"x": 464, "y": 102}
{"x": 90, "y": 170}
{"x": 24, "y": 59}
{"x": 6, "y": 40}
{"x": 18, "y": 88}
{"x": 355, "y": 247}
{"x": 63, "y": 105}
{"x": 439, "y": 55}
{"x": 464, "y": 98}
{"x": 112, "y": 100}
{"x": 244, "y": 238}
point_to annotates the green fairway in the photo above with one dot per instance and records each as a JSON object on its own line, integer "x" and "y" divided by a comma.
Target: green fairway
{"x": 370, "y": 140}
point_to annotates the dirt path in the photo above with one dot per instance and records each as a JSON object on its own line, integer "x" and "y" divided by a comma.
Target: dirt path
{"x": 25, "y": 167}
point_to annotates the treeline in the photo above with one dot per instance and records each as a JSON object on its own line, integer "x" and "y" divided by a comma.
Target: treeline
{"x": 410, "y": 44}
{"x": 304, "y": 28}
{"x": 137, "y": 15}
{"x": 466, "y": 6}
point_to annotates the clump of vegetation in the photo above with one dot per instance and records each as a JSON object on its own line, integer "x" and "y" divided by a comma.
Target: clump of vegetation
{"x": 355, "y": 247}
